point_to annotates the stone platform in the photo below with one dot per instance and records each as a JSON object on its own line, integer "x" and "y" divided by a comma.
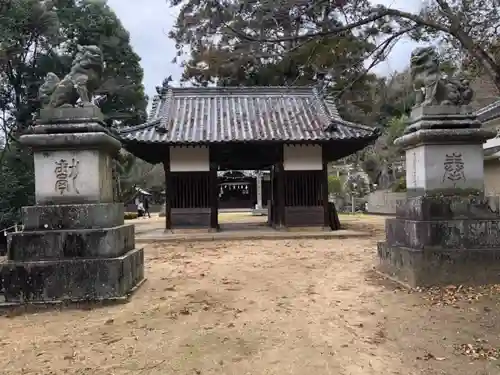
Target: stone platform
{"x": 162, "y": 236}
{"x": 75, "y": 243}
{"x": 442, "y": 240}
{"x": 428, "y": 267}
{"x": 260, "y": 212}
{"x": 60, "y": 280}
{"x": 71, "y": 253}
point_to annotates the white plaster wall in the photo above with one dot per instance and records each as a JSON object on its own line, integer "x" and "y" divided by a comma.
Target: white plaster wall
{"x": 425, "y": 167}
{"x": 492, "y": 177}
{"x": 189, "y": 159}
{"x": 302, "y": 158}
{"x": 384, "y": 201}
{"x": 86, "y": 185}
{"x": 492, "y": 143}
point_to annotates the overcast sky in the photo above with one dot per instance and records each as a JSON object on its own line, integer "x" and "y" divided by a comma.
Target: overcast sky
{"x": 149, "y": 21}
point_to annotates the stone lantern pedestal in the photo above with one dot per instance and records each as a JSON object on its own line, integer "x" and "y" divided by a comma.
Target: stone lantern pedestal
{"x": 75, "y": 245}
{"x": 445, "y": 232}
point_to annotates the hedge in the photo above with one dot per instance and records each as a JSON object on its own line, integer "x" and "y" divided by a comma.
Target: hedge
{"x": 130, "y": 215}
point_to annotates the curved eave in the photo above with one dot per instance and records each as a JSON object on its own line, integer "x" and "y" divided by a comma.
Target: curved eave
{"x": 152, "y": 134}
{"x": 151, "y": 153}
{"x": 154, "y": 152}
{"x": 135, "y": 128}
{"x": 349, "y": 147}
{"x": 489, "y": 113}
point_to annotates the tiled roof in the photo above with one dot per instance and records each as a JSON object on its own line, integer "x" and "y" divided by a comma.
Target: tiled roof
{"x": 240, "y": 114}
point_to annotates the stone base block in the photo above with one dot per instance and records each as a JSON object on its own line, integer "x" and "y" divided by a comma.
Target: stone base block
{"x": 73, "y": 216}
{"x": 70, "y": 175}
{"x": 259, "y": 212}
{"x": 190, "y": 217}
{"x": 80, "y": 243}
{"x": 311, "y": 216}
{"x": 69, "y": 115}
{"x": 442, "y": 117}
{"x": 423, "y": 268}
{"x": 447, "y": 207}
{"x": 72, "y": 279}
{"x": 443, "y": 234}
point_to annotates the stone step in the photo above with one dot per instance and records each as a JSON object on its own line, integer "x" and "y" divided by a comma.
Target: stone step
{"x": 79, "y": 243}
{"x": 72, "y": 279}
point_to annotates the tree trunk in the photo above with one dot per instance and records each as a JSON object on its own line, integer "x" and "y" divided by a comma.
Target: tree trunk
{"x": 488, "y": 63}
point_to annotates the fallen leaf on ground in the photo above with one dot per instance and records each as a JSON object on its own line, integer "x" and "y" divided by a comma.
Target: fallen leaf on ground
{"x": 479, "y": 351}
{"x": 452, "y": 294}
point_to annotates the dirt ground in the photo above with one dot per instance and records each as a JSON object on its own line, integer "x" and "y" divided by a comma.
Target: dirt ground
{"x": 264, "y": 307}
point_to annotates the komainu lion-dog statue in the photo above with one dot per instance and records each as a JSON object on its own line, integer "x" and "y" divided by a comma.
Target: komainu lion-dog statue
{"x": 80, "y": 83}
{"x": 431, "y": 86}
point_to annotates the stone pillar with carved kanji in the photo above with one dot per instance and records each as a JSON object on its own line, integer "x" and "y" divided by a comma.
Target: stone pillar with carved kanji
{"x": 444, "y": 232}
{"x": 75, "y": 245}
{"x": 258, "y": 210}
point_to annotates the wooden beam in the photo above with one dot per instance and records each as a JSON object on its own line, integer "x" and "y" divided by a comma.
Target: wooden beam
{"x": 168, "y": 190}
{"x": 324, "y": 189}
{"x": 235, "y": 156}
{"x": 214, "y": 197}
{"x": 273, "y": 221}
{"x": 280, "y": 190}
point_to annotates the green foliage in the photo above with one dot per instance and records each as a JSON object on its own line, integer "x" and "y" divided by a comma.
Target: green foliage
{"x": 218, "y": 54}
{"x": 125, "y": 163}
{"x": 334, "y": 185}
{"x": 36, "y": 39}
{"x": 355, "y": 185}
{"x": 473, "y": 47}
{"x": 16, "y": 184}
{"x": 133, "y": 172}
{"x": 92, "y": 22}
{"x": 130, "y": 215}
{"x": 395, "y": 129}
{"x": 399, "y": 185}
{"x": 380, "y": 157}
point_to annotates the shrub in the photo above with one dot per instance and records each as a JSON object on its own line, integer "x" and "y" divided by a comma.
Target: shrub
{"x": 130, "y": 215}
{"x": 400, "y": 185}
{"x": 334, "y": 185}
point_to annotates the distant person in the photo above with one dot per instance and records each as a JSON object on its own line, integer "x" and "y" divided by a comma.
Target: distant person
{"x": 140, "y": 209}
{"x": 146, "y": 207}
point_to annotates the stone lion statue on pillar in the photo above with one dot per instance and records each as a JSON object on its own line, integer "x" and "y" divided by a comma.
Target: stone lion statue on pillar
{"x": 80, "y": 83}
{"x": 431, "y": 87}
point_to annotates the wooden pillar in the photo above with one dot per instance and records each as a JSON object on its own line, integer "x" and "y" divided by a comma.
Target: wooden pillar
{"x": 280, "y": 190}
{"x": 214, "y": 198}
{"x": 324, "y": 190}
{"x": 272, "y": 199}
{"x": 168, "y": 191}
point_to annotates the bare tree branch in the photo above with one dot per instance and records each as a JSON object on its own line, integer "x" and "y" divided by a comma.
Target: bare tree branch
{"x": 449, "y": 18}
{"x": 378, "y": 14}
{"x": 380, "y": 52}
